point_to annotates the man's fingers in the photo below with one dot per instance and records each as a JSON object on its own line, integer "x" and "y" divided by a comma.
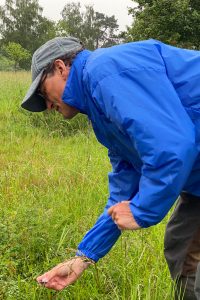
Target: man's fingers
{"x": 110, "y": 210}
{"x": 42, "y": 279}
{"x": 46, "y": 277}
{"x": 59, "y": 283}
{"x": 112, "y": 213}
{"x": 56, "y": 283}
{"x": 122, "y": 216}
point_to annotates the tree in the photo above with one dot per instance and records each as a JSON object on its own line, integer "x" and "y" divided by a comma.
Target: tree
{"x": 21, "y": 21}
{"x": 16, "y": 53}
{"x": 93, "y": 28}
{"x": 176, "y": 22}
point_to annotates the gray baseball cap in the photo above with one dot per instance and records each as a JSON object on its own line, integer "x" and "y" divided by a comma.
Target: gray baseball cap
{"x": 42, "y": 57}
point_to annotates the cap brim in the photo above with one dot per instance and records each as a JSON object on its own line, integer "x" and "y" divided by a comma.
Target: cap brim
{"x": 34, "y": 101}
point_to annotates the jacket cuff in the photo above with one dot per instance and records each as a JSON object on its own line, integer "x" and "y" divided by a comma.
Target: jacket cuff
{"x": 140, "y": 222}
{"x": 87, "y": 253}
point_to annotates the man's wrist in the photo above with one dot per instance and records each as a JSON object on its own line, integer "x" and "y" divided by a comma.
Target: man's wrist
{"x": 85, "y": 259}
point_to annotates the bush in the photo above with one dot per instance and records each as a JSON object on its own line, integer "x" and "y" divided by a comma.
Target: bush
{"x": 6, "y": 64}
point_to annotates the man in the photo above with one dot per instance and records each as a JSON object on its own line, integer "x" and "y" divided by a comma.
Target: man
{"x": 143, "y": 100}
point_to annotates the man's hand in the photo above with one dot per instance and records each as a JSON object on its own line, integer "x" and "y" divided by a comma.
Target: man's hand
{"x": 63, "y": 274}
{"x": 122, "y": 216}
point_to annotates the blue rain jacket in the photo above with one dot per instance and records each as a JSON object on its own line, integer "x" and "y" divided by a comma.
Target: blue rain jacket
{"x": 143, "y": 100}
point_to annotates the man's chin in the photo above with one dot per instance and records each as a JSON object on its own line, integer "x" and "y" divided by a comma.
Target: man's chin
{"x": 67, "y": 117}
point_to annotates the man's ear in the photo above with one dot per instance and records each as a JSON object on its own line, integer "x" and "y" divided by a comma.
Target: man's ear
{"x": 59, "y": 65}
{"x": 62, "y": 68}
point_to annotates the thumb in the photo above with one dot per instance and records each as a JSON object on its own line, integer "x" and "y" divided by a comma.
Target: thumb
{"x": 110, "y": 210}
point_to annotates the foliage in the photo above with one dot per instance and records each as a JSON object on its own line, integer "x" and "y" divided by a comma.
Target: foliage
{"x": 93, "y": 28}
{"x": 6, "y": 64}
{"x": 16, "y": 53}
{"x": 176, "y": 22}
{"x": 21, "y": 22}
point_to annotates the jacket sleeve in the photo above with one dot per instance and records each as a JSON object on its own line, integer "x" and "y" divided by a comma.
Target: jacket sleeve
{"x": 123, "y": 183}
{"x": 145, "y": 106}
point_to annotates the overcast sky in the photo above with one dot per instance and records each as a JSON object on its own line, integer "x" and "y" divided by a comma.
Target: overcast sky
{"x": 52, "y": 9}
{"x": 118, "y": 8}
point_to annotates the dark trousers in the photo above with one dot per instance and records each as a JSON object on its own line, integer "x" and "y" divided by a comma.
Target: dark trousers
{"x": 182, "y": 242}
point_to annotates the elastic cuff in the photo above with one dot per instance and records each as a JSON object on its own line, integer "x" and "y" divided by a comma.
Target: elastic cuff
{"x": 84, "y": 252}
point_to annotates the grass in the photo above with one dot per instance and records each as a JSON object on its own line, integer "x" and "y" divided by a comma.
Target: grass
{"x": 53, "y": 185}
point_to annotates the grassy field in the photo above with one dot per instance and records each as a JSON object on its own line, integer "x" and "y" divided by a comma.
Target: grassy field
{"x": 53, "y": 185}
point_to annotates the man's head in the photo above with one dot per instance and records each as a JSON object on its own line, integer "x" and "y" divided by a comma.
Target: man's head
{"x": 50, "y": 69}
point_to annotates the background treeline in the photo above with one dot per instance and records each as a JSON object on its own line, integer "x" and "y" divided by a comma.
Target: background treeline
{"x": 23, "y": 28}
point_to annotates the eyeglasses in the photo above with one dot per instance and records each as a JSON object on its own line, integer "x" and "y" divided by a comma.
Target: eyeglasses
{"x": 39, "y": 89}
{"x": 49, "y": 69}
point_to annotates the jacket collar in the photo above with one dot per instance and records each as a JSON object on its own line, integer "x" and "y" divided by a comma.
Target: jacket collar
{"x": 74, "y": 91}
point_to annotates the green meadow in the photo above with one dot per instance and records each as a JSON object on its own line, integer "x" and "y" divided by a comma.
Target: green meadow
{"x": 53, "y": 186}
